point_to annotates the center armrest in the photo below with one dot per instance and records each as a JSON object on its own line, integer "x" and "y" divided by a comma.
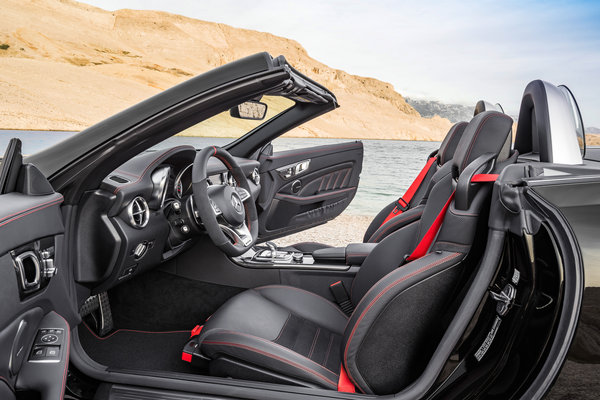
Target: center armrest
{"x": 357, "y": 252}
{"x": 330, "y": 254}
{"x": 353, "y": 254}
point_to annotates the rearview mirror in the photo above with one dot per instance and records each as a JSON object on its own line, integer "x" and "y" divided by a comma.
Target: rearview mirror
{"x": 250, "y": 109}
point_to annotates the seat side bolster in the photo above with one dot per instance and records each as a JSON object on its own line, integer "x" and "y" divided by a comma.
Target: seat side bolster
{"x": 396, "y": 223}
{"x": 267, "y": 354}
{"x": 378, "y": 297}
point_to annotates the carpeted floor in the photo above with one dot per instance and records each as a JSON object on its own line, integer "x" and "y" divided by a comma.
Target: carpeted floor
{"x": 141, "y": 350}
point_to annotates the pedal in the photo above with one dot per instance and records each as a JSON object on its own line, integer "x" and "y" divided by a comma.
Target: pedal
{"x": 90, "y": 305}
{"x": 106, "y": 320}
{"x": 98, "y": 307}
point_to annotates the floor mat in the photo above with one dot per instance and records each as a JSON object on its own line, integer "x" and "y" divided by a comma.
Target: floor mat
{"x": 140, "y": 350}
{"x": 159, "y": 301}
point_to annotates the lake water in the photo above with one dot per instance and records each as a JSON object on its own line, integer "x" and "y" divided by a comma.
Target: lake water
{"x": 389, "y": 166}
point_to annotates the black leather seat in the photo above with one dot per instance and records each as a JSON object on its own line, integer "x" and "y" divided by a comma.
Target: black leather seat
{"x": 285, "y": 334}
{"x": 379, "y": 228}
{"x": 287, "y": 330}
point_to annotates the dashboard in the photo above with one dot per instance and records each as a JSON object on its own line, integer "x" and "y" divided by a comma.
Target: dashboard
{"x": 134, "y": 221}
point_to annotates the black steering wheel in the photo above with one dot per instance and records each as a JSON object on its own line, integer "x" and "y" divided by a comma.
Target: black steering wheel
{"x": 227, "y": 213}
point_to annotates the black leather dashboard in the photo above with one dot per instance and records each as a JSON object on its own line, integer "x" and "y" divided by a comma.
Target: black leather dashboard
{"x": 108, "y": 238}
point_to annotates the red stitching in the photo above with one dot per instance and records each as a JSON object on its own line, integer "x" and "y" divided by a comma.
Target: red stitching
{"x": 312, "y": 347}
{"x": 304, "y": 291}
{"x": 328, "y": 349}
{"x": 450, "y": 139}
{"x": 127, "y": 330}
{"x": 31, "y": 212}
{"x": 229, "y": 167}
{"x": 332, "y": 193}
{"x": 7, "y": 383}
{"x": 479, "y": 129}
{"x": 30, "y": 208}
{"x": 283, "y": 328}
{"x": 120, "y": 171}
{"x": 159, "y": 158}
{"x": 264, "y": 353}
{"x": 393, "y": 223}
{"x": 276, "y": 345}
{"x": 388, "y": 288}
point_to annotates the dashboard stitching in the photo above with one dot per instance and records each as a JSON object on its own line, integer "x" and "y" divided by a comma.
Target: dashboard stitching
{"x": 159, "y": 158}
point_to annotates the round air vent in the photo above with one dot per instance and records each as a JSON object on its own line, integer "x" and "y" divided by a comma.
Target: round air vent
{"x": 138, "y": 212}
{"x": 256, "y": 177}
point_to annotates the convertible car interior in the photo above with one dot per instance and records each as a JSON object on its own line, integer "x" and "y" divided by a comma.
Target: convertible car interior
{"x": 165, "y": 263}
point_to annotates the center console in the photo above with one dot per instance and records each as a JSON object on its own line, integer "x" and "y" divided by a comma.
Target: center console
{"x": 332, "y": 258}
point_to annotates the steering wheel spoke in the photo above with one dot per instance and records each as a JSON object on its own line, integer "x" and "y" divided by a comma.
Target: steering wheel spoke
{"x": 240, "y": 234}
{"x": 228, "y": 213}
{"x": 244, "y": 194}
{"x": 215, "y": 208}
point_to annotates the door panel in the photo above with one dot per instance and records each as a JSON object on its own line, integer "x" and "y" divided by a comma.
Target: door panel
{"x": 306, "y": 187}
{"x": 33, "y": 286}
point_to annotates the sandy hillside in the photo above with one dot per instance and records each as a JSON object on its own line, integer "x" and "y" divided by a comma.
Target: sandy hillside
{"x": 69, "y": 65}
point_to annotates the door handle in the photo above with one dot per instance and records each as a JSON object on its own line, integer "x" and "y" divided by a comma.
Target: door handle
{"x": 291, "y": 170}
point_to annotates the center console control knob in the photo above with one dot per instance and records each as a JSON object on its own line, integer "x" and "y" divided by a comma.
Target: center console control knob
{"x": 297, "y": 257}
{"x": 176, "y": 206}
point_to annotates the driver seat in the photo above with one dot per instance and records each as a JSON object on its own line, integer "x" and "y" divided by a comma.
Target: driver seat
{"x": 284, "y": 334}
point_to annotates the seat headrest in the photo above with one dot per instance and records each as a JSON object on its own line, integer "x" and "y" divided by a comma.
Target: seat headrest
{"x": 450, "y": 142}
{"x": 483, "y": 105}
{"x": 488, "y": 132}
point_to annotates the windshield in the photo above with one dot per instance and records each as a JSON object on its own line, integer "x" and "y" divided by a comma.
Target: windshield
{"x": 223, "y": 125}
{"x": 218, "y": 130}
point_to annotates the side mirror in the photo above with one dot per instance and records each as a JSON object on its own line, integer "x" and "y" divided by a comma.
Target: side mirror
{"x": 251, "y": 109}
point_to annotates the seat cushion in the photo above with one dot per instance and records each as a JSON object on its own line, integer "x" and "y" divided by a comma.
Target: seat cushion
{"x": 281, "y": 329}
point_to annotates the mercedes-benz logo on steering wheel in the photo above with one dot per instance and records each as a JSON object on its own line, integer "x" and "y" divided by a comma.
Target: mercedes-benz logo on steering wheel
{"x": 236, "y": 202}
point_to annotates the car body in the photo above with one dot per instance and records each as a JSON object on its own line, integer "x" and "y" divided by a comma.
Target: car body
{"x": 101, "y": 213}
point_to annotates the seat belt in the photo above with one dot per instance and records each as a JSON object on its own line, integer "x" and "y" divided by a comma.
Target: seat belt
{"x": 344, "y": 382}
{"x": 403, "y": 202}
{"x": 341, "y": 297}
{"x": 425, "y": 243}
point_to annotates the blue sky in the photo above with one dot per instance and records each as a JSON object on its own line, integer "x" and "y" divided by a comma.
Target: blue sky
{"x": 444, "y": 50}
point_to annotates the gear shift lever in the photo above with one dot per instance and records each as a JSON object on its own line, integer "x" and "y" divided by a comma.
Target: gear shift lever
{"x": 273, "y": 247}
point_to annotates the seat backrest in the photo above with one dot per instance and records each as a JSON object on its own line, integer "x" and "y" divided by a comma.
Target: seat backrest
{"x": 444, "y": 154}
{"x": 396, "y": 323}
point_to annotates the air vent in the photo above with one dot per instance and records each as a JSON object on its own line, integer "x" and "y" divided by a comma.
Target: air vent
{"x": 118, "y": 179}
{"x": 256, "y": 177}
{"x": 138, "y": 212}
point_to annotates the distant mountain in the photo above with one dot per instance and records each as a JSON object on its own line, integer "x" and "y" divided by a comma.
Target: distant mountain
{"x": 66, "y": 65}
{"x": 430, "y": 108}
{"x": 591, "y": 129}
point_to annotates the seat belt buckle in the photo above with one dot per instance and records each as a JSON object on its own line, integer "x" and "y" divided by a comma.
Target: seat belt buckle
{"x": 341, "y": 297}
{"x": 196, "y": 331}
